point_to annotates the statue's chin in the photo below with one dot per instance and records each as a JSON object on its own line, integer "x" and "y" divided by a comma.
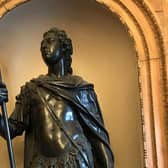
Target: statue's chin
{"x": 51, "y": 60}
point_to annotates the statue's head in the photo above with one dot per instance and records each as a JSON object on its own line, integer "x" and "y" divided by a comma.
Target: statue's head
{"x": 56, "y": 46}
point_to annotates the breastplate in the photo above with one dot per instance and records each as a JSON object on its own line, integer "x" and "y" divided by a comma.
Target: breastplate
{"x": 50, "y": 135}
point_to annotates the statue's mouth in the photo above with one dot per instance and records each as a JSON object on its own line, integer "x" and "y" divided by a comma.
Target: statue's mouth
{"x": 46, "y": 52}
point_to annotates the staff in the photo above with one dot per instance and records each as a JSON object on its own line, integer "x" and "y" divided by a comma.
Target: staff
{"x": 7, "y": 132}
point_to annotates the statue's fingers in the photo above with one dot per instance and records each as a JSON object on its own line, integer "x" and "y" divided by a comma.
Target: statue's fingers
{"x": 4, "y": 89}
{"x": 4, "y": 93}
{"x": 3, "y": 97}
{"x": 2, "y": 85}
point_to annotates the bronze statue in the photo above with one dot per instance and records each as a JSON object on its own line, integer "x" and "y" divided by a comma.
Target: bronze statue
{"x": 59, "y": 113}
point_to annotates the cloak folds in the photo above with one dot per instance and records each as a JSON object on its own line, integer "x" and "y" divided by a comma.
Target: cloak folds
{"x": 81, "y": 95}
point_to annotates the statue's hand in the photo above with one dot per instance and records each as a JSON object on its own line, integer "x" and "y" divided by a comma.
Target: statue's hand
{"x": 3, "y": 93}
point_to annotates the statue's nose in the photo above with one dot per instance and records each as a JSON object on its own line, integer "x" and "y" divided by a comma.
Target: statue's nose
{"x": 44, "y": 45}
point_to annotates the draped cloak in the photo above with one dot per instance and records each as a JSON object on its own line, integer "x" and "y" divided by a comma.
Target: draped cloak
{"x": 81, "y": 95}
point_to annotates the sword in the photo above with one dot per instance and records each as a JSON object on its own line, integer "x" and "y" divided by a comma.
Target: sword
{"x": 7, "y": 132}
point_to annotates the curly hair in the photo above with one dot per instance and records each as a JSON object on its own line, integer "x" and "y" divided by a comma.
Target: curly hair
{"x": 66, "y": 46}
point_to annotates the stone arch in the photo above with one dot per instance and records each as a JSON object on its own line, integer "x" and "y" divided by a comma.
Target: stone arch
{"x": 144, "y": 29}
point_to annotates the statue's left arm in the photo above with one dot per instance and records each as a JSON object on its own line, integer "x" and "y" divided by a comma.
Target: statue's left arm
{"x": 102, "y": 154}
{"x": 105, "y": 158}
{"x": 95, "y": 130}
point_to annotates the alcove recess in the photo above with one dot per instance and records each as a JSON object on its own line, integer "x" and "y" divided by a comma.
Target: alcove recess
{"x": 144, "y": 27}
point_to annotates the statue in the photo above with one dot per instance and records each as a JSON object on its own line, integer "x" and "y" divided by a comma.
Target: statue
{"x": 59, "y": 113}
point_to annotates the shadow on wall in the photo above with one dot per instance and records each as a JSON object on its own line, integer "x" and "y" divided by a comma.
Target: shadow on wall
{"x": 103, "y": 54}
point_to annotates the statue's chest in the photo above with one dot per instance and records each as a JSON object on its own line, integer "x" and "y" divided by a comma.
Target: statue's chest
{"x": 48, "y": 118}
{"x": 59, "y": 108}
{"x": 51, "y": 107}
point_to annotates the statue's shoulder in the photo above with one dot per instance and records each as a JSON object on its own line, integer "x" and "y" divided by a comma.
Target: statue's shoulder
{"x": 68, "y": 81}
{"x": 29, "y": 86}
{"x": 80, "y": 82}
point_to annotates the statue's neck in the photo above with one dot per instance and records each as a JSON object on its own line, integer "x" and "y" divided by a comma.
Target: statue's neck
{"x": 58, "y": 69}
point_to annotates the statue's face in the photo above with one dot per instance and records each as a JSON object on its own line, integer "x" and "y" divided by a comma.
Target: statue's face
{"x": 50, "y": 49}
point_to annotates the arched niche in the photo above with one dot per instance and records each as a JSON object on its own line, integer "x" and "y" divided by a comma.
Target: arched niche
{"x": 144, "y": 29}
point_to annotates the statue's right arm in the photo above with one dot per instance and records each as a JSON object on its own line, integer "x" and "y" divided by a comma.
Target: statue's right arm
{"x": 16, "y": 127}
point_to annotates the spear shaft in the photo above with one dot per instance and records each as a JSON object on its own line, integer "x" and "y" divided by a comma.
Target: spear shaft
{"x": 7, "y": 132}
